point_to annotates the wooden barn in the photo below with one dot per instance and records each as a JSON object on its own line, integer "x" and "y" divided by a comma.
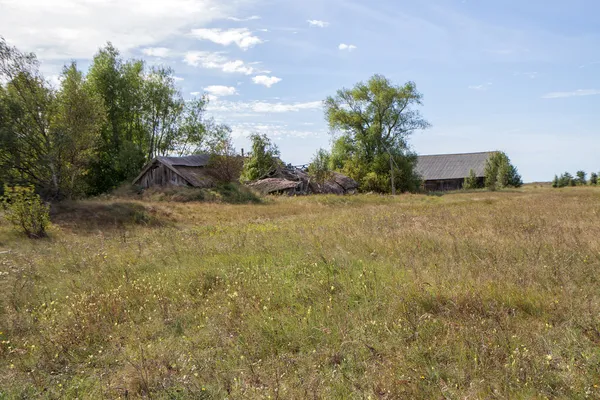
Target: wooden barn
{"x": 443, "y": 172}
{"x": 176, "y": 171}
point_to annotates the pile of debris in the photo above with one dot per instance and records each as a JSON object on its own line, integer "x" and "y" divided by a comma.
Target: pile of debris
{"x": 292, "y": 180}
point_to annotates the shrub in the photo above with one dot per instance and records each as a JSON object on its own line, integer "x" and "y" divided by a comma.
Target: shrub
{"x": 500, "y": 173}
{"x": 225, "y": 165}
{"x": 593, "y": 178}
{"x": 262, "y": 161}
{"x": 581, "y": 178}
{"x": 26, "y": 211}
{"x": 319, "y": 168}
{"x": 471, "y": 181}
{"x": 564, "y": 180}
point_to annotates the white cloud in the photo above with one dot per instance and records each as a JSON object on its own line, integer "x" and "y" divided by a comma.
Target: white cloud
{"x": 242, "y": 37}
{"x": 178, "y": 78}
{"x": 252, "y": 18}
{"x": 483, "y": 86}
{"x": 349, "y": 47}
{"x": 273, "y": 130}
{"x": 317, "y": 23}
{"x": 210, "y": 60}
{"x": 237, "y": 66}
{"x": 75, "y": 29}
{"x": 196, "y": 94}
{"x": 262, "y": 107}
{"x": 220, "y": 91}
{"x": 267, "y": 81}
{"x": 160, "y": 52}
{"x": 575, "y": 93}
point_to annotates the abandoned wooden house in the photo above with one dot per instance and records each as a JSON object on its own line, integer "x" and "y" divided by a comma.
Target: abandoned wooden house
{"x": 176, "y": 171}
{"x": 443, "y": 172}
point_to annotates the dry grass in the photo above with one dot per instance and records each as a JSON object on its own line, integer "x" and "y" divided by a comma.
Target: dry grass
{"x": 474, "y": 295}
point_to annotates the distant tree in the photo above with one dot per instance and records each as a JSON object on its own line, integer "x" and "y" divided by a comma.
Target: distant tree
{"x": 500, "y": 173}
{"x": 593, "y": 178}
{"x": 581, "y": 178}
{"x": 555, "y": 182}
{"x": 263, "y": 159}
{"x": 225, "y": 164}
{"x": 471, "y": 182}
{"x": 320, "y": 167}
{"x": 373, "y": 121}
{"x": 566, "y": 179}
{"x": 196, "y": 130}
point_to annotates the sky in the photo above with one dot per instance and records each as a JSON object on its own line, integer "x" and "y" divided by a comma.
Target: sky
{"x": 512, "y": 75}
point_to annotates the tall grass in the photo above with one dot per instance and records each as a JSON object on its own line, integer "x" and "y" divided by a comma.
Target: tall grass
{"x": 478, "y": 295}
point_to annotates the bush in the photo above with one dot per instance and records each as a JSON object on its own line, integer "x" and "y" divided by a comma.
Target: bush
{"x": 26, "y": 211}
{"x": 593, "y": 178}
{"x": 263, "y": 159}
{"x": 500, "y": 173}
{"x": 564, "y": 180}
{"x": 581, "y": 178}
{"x": 471, "y": 181}
{"x": 319, "y": 168}
{"x": 225, "y": 165}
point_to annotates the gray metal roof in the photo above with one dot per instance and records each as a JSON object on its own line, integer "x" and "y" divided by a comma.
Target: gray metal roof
{"x": 198, "y": 160}
{"x": 451, "y": 166}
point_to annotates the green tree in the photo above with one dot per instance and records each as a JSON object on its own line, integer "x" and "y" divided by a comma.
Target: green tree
{"x": 263, "y": 159}
{"x": 120, "y": 85}
{"x": 320, "y": 166}
{"x": 163, "y": 108}
{"x": 581, "y": 178}
{"x": 471, "y": 181}
{"x": 27, "y": 146}
{"x": 593, "y": 178}
{"x": 500, "y": 173}
{"x": 555, "y": 182}
{"x": 566, "y": 179}
{"x": 373, "y": 121}
{"x": 225, "y": 164}
{"x": 196, "y": 131}
{"x": 77, "y": 123}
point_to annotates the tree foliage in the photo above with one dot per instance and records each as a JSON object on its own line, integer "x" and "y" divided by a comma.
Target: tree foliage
{"x": 263, "y": 159}
{"x": 580, "y": 179}
{"x": 373, "y": 121}
{"x": 95, "y": 130}
{"x": 225, "y": 165}
{"x": 319, "y": 168}
{"x": 26, "y": 211}
{"x": 500, "y": 173}
{"x": 471, "y": 181}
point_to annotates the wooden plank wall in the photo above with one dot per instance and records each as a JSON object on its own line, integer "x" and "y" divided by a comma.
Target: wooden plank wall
{"x": 161, "y": 176}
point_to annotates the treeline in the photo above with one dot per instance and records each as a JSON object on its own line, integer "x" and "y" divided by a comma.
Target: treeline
{"x": 499, "y": 173}
{"x": 580, "y": 179}
{"x": 96, "y": 129}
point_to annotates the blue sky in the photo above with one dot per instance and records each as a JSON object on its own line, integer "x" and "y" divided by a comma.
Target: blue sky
{"x": 514, "y": 75}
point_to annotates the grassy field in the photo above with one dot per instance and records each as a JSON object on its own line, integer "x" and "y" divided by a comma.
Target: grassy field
{"x": 462, "y": 296}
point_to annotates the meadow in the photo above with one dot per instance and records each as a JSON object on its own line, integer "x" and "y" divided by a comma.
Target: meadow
{"x": 476, "y": 295}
